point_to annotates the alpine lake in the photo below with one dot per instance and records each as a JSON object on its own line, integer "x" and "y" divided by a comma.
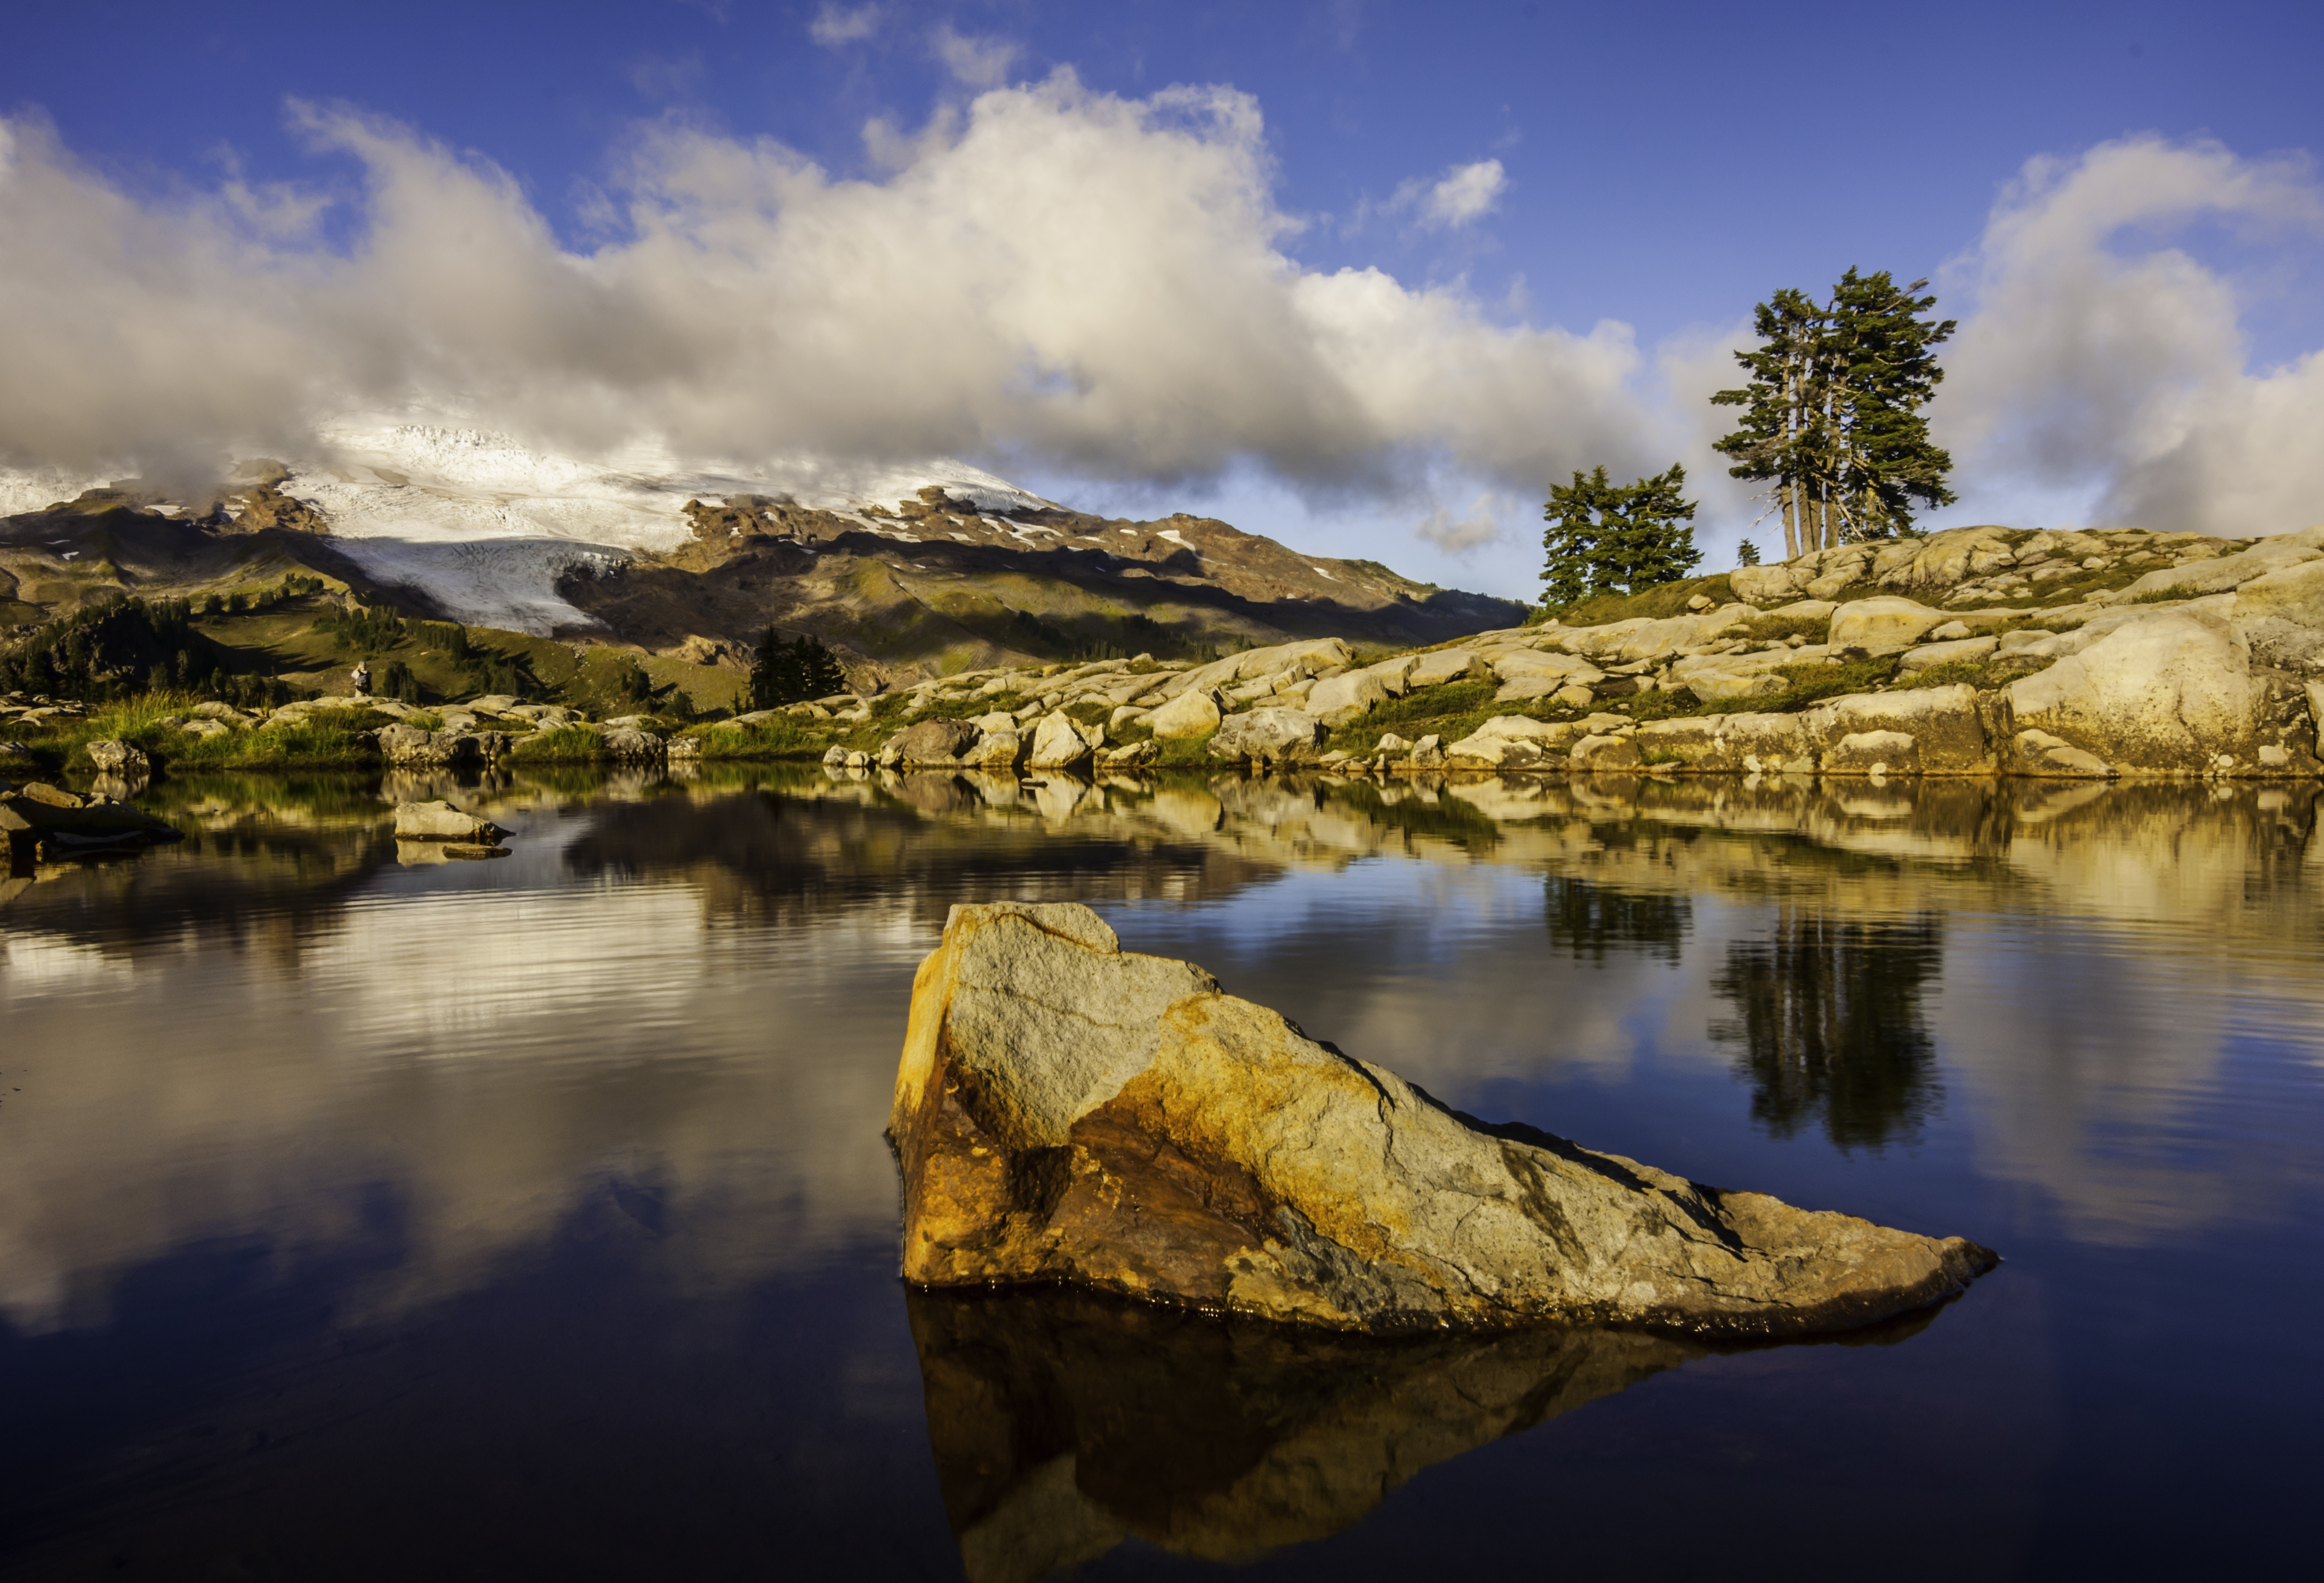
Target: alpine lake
{"x": 366, "y": 1215}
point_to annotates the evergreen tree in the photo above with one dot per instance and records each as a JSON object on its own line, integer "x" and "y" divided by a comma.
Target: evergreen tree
{"x": 788, "y": 673}
{"x": 1832, "y": 415}
{"x": 1606, "y": 538}
{"x": 1747, "y": 554}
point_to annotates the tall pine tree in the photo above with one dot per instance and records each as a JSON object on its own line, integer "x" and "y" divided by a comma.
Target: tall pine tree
{"x": 1832, "y": 415}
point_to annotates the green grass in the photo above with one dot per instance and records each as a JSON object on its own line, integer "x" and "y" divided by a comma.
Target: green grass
{"x": 1774, "y": 628}
{"x": 1451, "y": 711}
{"x": 1807, "y": 685}
{"x": 561, "y": 744}
{"x": 321, "y": 743}
{"x": 1664, "y": 600}
{"x": 782, "y": 737}
{"x": 1997, "y": 670}
{"x": 973, "y": 708}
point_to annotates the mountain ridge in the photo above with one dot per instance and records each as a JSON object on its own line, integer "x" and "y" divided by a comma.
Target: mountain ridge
{"x": 906, "y": 573}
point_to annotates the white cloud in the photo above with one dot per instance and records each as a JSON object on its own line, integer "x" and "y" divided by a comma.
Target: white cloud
{"x": 1058, "y": 279}
{"x": 1466, "y": 534}
{"x": 1461, "y": 195}
{"x": 2088, "y": 364}
{"x": 1466, "y": 193}
{"x": 979, "y": 62}
{"x": 835, "y": 25}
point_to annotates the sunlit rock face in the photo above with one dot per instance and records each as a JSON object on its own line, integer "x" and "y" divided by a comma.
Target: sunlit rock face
{"x": 1067, "y": 1111}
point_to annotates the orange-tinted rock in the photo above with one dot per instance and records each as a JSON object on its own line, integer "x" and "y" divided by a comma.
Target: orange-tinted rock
{"x": 1066, "y": 1111}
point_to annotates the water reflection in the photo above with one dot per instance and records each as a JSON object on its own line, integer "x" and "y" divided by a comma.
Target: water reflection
{"x": 672, "y": 1016}
{"x": 1829, "y": 1015}
{"x": 1588, "y": 920}
{"x": 1063, "y": 1424}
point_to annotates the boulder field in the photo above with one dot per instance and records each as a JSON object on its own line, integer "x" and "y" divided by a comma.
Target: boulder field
{"x": 1069, "y": 1112}
{"x": 2210, "y": 664}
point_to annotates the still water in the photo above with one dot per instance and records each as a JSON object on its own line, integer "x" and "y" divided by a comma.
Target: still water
{"x": 362, "y": 1217}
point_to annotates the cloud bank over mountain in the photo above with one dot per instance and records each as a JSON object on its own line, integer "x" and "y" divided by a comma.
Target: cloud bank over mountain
{"x": 1093, "y": 286}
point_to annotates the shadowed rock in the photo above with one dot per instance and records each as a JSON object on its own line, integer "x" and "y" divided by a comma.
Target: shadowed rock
{"x": 1066, "y": 1111}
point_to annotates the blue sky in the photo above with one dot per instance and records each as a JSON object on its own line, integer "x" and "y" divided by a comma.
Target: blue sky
{"x": 1644, "y": 172}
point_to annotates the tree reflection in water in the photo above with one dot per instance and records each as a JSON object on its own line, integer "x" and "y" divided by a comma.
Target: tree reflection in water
{"x": 1588, "y": 920}
{"x": 1830, "y": 1021}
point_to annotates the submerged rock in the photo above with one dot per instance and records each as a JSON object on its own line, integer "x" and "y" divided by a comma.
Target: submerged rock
{"x": 1066, "y": 1111}
{"x": 440, "y": 820}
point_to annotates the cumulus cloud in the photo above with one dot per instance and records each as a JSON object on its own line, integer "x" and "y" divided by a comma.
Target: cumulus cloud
{"x": 1466, "y": 535}
{"x": 837, "y": 25}
{"x": 2096, "y": 359}
{"x": 980, "y": 62}
{"x": 1056, "y": 276}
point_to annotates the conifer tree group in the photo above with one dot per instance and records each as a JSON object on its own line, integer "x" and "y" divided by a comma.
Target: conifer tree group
{"x": 1609, "y": 538}
{"x": 793, "y": 672}
{"x": 1832, "y": 415}
{"x": 1832, "y": 423}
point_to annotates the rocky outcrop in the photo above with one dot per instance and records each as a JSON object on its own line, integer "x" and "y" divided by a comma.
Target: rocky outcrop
{"x": 1343, "y": 700}
{"x": 1884, "y": 622}
{"x": 1192, "y": 713}
{"x": 412, "y": 747}
{"x": 931, "y": 742}
{"x": 1061, "y": 742}
{"x": 2174, "y": 693}
{"x": 1270, "y": 736}
{"x": 38, "y": 817}
{"x": 1068, "y": 1112}
{"x": 119, "y": 757}
{"x": 440, "y": 820}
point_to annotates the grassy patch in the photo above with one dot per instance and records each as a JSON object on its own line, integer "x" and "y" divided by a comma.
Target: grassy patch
{"x": 323, "y": 742}
{"x": 782, "y": 737}
{"x": 973, "y": 708}
{"x": 559, "y": 744}
{"x": 1997, "y": 670}
{"x": 1180, "y": 753}
{"x": 1664, "y": 600}
{"x": 1451, "y": 711}
{"x": 1774, "y": 628}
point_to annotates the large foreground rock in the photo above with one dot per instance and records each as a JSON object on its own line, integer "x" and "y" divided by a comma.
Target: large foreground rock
{"x": 1068, "y": 1112}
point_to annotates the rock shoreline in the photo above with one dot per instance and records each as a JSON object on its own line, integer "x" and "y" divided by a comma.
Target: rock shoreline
{"x": 2209, "y": 669}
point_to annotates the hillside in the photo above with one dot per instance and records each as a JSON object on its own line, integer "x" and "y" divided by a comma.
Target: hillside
{"x": 908, "y": 574}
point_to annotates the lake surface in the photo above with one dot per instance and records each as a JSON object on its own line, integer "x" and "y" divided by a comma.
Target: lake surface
{"x": 531, "y": 1218}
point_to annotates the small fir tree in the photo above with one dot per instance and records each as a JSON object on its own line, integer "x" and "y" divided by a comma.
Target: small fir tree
{"x": 1606, "y": 538}
{"x": 791, "y": 672}
{"x": 1747, "y": 554}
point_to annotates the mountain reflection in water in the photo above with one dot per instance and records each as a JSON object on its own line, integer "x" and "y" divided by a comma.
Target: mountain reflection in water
{"x": 336, "y": 1189}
